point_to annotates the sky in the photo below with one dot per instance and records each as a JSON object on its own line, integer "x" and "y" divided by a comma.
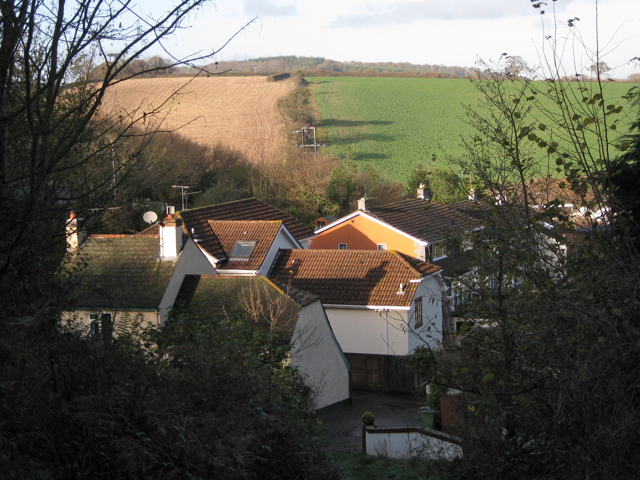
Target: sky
{"x": 447, "y": 32}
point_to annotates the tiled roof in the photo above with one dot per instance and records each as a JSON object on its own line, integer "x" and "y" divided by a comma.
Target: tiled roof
{"x": 247, "y": 209}
{"x": 150, "y": 230}
{"x": 227, "y": 233}
{"x": 426, "y": 220}
{"x": 122, "y": 272}
{"x": 226, "y": 297}
{"x": 352, "y": 277}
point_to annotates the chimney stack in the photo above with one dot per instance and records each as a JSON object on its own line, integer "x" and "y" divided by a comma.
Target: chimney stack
{"x": 170, "y": 233}
{"x": 363, "y": 204}
{"x": 74, "y": 237}
{"x": 423, "y": 192}
{"x": 472, "y": 195}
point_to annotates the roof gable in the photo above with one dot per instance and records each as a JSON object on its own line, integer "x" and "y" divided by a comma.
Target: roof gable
{"x": 352, "y": 277}
{"x": 227, "y": 233}
{"x": 121, "y": 272}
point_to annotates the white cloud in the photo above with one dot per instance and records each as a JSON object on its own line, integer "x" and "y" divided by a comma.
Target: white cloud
{"x": 265, "y": 8}
{"x": 406, "y": 12}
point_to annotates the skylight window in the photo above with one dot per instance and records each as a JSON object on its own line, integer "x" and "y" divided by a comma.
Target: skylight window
{"x": 242, "y": 250}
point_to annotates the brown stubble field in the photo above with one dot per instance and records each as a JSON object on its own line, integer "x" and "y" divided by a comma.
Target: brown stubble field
{"x": 239, "y": 112}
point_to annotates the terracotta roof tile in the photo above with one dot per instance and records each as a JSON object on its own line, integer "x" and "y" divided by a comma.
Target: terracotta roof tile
{"x": 150, "y": 230}
{"x": 247, "y": 209}
{"x": 121, "y": 272}
{"x": 352, "y": 277}
{"x": 227, "y": 233}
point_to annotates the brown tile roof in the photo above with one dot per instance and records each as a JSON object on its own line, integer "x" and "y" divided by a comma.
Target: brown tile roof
{"x": 426, "y": 220}
{"x": 227, "y": 233}
{"x": 150, "y": 230}
{"x": 254, "y": 298}
{"x": 247, "y": 209}
{"x": 352, "y": 277}
{"x": 120, "y": 272}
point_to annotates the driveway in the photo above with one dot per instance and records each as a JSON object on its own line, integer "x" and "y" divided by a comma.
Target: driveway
{"x": 343, "y": 429}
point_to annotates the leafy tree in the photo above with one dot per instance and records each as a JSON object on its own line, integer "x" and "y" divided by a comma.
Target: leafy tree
{"x": 57, "y": 146}
{"x": 548, "y": 365}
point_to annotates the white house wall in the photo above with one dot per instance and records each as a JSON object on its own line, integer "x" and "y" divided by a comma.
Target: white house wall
{"x": 431, "y": 290}
{"x": 283, "y": 240}
{"x": 190, "y": 262}
{"x": 318, "y": 357}
{"x": 370, "y": 331}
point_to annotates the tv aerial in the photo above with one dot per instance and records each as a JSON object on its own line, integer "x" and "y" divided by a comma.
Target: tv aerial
{"x": 150, "y": 217}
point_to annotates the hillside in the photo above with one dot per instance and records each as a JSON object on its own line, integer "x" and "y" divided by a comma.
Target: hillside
{"x": 394, "y": 123}
{"x": 240, "y": 112}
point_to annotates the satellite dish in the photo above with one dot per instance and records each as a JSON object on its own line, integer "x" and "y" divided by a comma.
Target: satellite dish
{"x": 150, "y": 217}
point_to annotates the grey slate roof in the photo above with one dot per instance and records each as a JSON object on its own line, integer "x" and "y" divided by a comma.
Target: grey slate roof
{"x": 121, "y": 272}
{"x": 427, "y": 220}
{"x": 256, "y": 298}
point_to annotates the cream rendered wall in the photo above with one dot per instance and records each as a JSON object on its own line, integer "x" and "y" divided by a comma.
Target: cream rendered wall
{"x": 318, "y": 356}
{"x": 82, "y": 317}
{"x": 431, "y": 289}
{"x": 369, "y": 331}
{"x": 283, "y": 240}
{"x": 191, "y": 261}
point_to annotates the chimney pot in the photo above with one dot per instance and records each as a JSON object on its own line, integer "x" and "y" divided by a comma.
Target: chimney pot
{"x": 363, "y": 204}
{"x": 423, "y": 192}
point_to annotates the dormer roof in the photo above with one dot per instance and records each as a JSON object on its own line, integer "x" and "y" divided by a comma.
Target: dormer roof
{"x": 246, "y": 209}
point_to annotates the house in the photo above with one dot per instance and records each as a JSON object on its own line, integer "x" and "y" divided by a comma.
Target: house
{"x": 414, "y": 227}
{"x": 297, "y": 316}
{"x": 381, "y": 305}
{"x": 323, "y": 221}
{"x": 121, "y": 278}
{"x": 138, "y": 278}
{"x": 127, "y": 278}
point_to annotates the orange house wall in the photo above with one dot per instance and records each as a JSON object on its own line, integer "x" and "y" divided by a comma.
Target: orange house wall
{"x": 361, "y": 233}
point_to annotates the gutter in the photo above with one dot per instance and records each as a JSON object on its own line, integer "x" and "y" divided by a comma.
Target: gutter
{"x": 366, "y": 307}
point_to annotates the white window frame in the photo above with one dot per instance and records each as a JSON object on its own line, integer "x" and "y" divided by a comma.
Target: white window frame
{"x": 383, "y": 245}
{"x": 342, "y": 246}
{"x": 435, "y": 246}
{"x": 243, "y": 244}
{"x": 97, "y": 322}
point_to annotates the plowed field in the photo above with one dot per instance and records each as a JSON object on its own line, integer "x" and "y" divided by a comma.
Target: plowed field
{"x": 240, "y": 112}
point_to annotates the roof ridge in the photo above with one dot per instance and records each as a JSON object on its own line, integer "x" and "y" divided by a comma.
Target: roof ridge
{"x": 248, "y": 221}
{"x": 406, "y": 201}
{"x": 219, "y": 204}
{"x": 407, "y": 259}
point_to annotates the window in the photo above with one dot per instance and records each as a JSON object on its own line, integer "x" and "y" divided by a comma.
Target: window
{"x": 417, "y": 311}
{"x": 438, "y": 250}
{"x": 342, "y": 246}
{"x": 242, "y": 249}
{"x": 382, "y": 246}
{"x": 100, "y": 326}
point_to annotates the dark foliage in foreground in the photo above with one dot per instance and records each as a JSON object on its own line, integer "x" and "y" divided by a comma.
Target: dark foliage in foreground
{"x": 212, "y": 407}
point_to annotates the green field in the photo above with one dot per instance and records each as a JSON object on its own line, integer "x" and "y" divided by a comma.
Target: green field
{"x": 394, "y": 123}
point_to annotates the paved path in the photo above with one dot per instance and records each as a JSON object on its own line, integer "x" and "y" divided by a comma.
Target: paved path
{"x": 343, "y": 428}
